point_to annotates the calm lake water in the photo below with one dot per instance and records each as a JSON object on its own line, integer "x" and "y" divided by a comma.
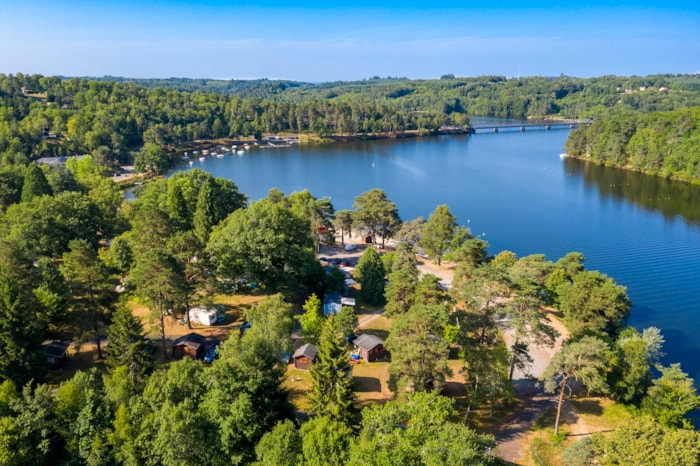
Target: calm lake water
{"x": 514, "y": 190}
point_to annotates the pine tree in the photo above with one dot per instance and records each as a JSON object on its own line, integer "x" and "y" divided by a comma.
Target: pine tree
{"x": 370, "y": 273}
{"x": 22, "y": 331}
{"x": 331, "y": 390}
{"x": 311, "y": 321}
{"x": 128, "y": 347}
{"x": 204, "y": 214}
{"x": 35, "y": 183}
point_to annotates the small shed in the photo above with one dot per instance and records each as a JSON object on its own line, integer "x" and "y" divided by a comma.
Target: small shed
{"x": 57, "y": 354}
{"x": 192, "y": 345}
{"x": 370, "y": 347}
{"x": 304, "y": 356}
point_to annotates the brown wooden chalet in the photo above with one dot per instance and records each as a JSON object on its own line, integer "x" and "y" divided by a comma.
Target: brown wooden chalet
{"x": 304, "y": 356}
{"x": 191, "y": 345}
{"x": 370, "y": 347}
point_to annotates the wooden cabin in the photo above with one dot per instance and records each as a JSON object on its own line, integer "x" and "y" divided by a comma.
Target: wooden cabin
{"x": 191, "y": 345}
{"x": 370, "y": 347}
{"x": 304, "y": 356}
{"x": 57, "y": 355}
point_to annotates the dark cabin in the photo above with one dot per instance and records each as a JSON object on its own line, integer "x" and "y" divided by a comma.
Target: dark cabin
{"x": 191, "y": 345}
{"x": 57, "y": 355}
{"x": 304, "y": 356}
{"x": 370, "y": 347}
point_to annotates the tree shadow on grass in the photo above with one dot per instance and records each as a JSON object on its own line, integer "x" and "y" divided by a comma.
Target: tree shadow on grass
{"x": 367, "y": 384}
{"x": 588, "y": 406}
{"x": 383, "y": 334}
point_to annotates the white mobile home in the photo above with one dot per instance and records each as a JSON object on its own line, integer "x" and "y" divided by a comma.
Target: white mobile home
{"x": 203, "y": 316}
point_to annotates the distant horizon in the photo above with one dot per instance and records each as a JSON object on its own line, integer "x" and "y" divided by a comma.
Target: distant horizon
{"x": 314, "y": 42}
{"x": 370, "y": 78}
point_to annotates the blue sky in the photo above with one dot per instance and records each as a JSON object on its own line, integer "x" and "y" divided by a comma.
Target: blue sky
{"x": 324, "y": 41}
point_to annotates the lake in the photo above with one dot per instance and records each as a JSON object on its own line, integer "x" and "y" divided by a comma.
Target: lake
{"x": 512, "y": 189}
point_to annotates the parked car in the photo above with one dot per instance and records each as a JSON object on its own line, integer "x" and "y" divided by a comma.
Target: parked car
{"x": 349, "y": 247}
{"x": 211, "y": 353}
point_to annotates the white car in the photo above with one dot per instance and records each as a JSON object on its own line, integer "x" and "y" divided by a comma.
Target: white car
{"x": 349, "y": 247}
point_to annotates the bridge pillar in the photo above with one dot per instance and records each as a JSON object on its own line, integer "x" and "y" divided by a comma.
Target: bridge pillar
{"x": 495, "y": 130}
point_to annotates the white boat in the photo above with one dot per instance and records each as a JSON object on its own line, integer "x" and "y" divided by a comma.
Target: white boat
{"x": 205, "y": 152}
{"x": 195, "y": 152}
{"x": 201, "y": 159}
{"x": 184, "y": 157}
{"x": 233, "y": 148}
{"x": 191, "y": 163}
{"x": 240, "y": 152}
{"x": 246, "y": 147}
{"x": 220, "y": 155}
{"x": 562, "y": 156}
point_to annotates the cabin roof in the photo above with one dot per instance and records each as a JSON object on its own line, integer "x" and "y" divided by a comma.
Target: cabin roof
{"x": 367, "y": 341}
{"x": 193, "y": 340}
{"x": 57, "y": 349}
{"x": 307, "y": 350}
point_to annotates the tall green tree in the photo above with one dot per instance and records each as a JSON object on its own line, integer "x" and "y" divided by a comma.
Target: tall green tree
{"x": 93, "y": 291}
{"x": 584, "y": 360}
{"x": 593, "y": 302}
{"x": 671, "y": 397}
{"x": 280, "y": 447}
{"x": 343, "y": 223}
{"x": 646, "y": 441}
{"x": 418, "y": 431}
{"x": 128, "y": 347}
{"x": 418, "y": 350}
{"x": 266, "y": 243}
{"x": 634, "y": 356}
{"x": 158, "y": 278}
{"x": 482, "y": 290}
{"x": 197, "y": 269}
{"x": 205, "y": 213}
{"x": 526, "y": 317}
{"x": 331, "y": 374}
{"x": 377, "y": 214}
{"x": 151, "y": 160}
{"x": 325, "y": 442}
{"x": 35, "y": 183}
{"x": 22, "y": 321}
{"x": 370, "y": 274}
{"x": 400, "y": 292}
{"x": 438, "y": 232}
{"x": 311, "y": 321}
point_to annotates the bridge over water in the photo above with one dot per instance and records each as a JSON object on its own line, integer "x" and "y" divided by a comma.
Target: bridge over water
{"x": 534, "y": 124}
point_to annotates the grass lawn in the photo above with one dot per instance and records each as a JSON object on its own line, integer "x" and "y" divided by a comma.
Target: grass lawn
{"x": 371, "y": 383}
{"x": 298, "y": 382}
{"x": 580, "y": 418}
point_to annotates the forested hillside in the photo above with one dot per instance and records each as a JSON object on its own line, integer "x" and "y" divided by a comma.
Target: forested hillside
{"x": 112, "y": 119}
{"x": 659, "y": 143}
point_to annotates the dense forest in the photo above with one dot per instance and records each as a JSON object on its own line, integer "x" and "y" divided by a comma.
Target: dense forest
{"x": 113, "y": 118}
{"x": 659, "y": 143}
{"x": 78, "y": 263}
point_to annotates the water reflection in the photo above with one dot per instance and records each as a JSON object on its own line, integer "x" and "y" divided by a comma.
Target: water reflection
{"x": 651, "y": 192}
